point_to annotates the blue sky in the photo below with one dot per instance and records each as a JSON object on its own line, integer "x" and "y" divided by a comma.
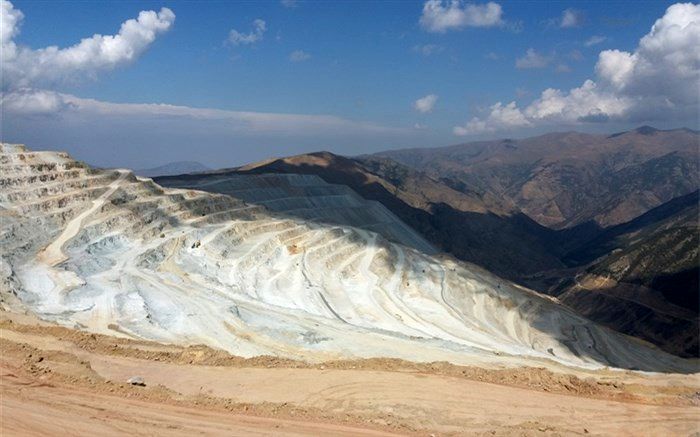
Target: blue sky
{"x": 362, "y": 63}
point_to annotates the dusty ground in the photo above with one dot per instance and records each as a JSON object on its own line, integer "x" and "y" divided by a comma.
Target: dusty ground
{"x": 60, "y": 381}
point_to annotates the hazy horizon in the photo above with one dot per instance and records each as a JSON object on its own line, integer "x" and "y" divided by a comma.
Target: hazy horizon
{"x": 221, "y": 161}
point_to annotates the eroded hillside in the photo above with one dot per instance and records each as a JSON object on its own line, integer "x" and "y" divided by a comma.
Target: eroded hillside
{"x": 474, "y": 228}
{"x": 108, "y": 252}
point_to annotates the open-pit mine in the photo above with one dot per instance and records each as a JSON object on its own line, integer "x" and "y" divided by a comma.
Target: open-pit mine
{"x": 111, "y": 253}
{"x": 285, "y": 266}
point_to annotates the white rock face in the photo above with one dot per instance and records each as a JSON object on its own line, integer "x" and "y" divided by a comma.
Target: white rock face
{"x": 111, "y": 253}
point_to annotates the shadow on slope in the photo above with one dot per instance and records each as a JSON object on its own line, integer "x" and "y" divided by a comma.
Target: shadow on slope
{"x": 598, "y": 350}
{"x": 608, "y": 239}
{"x": 507, "y": 243}
{"x": 639, "y": 277}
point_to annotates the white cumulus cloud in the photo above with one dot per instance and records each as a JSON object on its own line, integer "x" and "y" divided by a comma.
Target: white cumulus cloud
{"x": 11, "y": 19}
{"x": 500, "y": 117}
{"x": 23, "y": 66}
{"x": 658, "y": 81}
{"x": 425, "y": 104}
{"x": 440, "y": 16}
{"x": 256, "y": 34}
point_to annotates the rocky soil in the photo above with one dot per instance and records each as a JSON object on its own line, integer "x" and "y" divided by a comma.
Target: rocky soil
{"x": 56, "y": 378}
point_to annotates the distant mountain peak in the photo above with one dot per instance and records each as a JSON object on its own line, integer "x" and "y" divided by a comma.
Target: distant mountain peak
{"x": 646, "y": 130}
{"x": 650, "y": 130}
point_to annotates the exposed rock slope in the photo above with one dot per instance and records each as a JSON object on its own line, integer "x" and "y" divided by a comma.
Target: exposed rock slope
{"x": 306, "y": 197}
{"x": 472, "y": 227}
{"x": 650, "y": 264}
{"x": 112, "y": 253}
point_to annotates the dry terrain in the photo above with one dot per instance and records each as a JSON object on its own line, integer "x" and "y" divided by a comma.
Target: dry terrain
{"x": 263, "y": 311}
{"x": 624, "y": 211}
{"x": 564, "y": 179}
{"x": 268, "y": 270}
{"x": 59, "y": 380}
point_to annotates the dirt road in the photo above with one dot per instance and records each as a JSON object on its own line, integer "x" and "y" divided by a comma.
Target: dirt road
{"x": 30, "y": 408}
{"x": 53, "y": 253}
{"x": 59, "y": 381}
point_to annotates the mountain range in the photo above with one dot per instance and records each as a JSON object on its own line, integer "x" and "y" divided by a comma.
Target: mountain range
{"x": 566, "y": 179}
{"x": 607, "y": 224}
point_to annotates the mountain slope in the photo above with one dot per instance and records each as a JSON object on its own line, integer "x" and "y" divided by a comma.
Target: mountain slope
{"x": 681, "y": 212}
{"x": 625, "y": 211}
{"x": 111, "y": 253}
{"x": 639, "y": 277}
{"x": 565, "y": 179}
{"x": 474, "y": 228}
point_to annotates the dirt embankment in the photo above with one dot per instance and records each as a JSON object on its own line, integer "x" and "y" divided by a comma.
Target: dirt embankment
{"x": 59, "y": 378}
